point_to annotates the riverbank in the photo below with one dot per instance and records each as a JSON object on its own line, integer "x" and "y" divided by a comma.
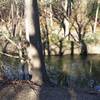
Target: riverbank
{"x": 57, "y": 44}
{"x": 26, "y": 91}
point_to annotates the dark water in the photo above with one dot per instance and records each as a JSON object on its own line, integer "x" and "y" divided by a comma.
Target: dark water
{"x": 66, "y": 70}
{"x": 78, "y": 71}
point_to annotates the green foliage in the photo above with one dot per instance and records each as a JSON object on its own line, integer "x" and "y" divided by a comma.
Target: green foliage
{"x": 5, "y": 8}
{"x": 89, "y": 40}
{"x": 54, "y": 38}
{"x": 92, "y": 9}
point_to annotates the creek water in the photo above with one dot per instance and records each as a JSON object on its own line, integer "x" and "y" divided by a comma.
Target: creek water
{"x": 67, "y": 70}
{"x": 78, "y": 71}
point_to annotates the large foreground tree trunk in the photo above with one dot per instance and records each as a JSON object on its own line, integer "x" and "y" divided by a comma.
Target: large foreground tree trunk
{"x": 35, "y": 54}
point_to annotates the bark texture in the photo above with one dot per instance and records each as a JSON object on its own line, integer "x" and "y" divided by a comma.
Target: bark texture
{"x": 36, "y": 60}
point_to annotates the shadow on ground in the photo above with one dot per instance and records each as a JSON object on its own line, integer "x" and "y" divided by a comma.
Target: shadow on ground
{"x": 27, "y": 91}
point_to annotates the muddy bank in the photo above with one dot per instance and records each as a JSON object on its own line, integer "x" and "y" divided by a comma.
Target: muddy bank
{"x": 27, "y": 91}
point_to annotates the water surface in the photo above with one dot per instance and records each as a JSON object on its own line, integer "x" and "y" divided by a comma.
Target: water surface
{"x": 67, "y": 70}
{"x": 78, "y": 71}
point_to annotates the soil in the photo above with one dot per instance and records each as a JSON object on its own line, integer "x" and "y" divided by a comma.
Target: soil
{"x": 26, "y": 90}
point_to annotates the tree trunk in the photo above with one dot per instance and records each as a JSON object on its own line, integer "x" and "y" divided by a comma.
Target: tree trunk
{"x": 65, "y": 21}
{"x": 96, "y": 17}
{"x": 84, "y": 51}
{"x": 60, "y": 48}
{"x": 47, "y": 40}
{"x": 72, "y": 48}
{"x": 36, "y": 63}
{"x": 51, "y": 16}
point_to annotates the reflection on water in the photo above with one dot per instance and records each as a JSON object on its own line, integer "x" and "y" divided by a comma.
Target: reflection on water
{"x": 77, "y": 71}
{"x": 67, "y": 71}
